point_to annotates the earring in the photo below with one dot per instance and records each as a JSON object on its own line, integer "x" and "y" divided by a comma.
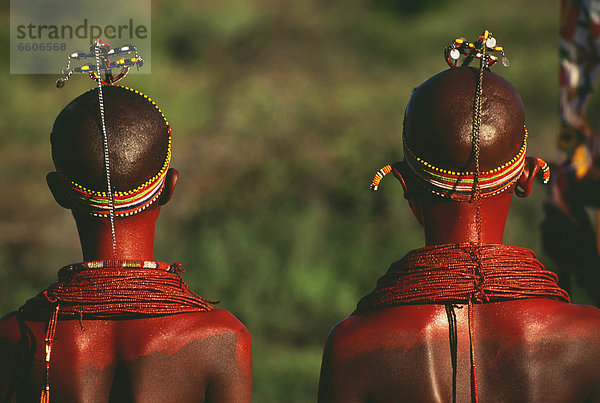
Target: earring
{"x": 379, "y": 176}
{"x": 545, "y": 170}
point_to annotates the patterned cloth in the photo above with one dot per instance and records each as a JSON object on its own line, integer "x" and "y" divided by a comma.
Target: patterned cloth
{"x": 579, "y": 49}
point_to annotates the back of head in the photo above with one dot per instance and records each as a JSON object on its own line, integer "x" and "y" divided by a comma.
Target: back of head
{"x": 138, "y": 140}
{"x": 439, "y": 120}
{"x": 439, "y": 139}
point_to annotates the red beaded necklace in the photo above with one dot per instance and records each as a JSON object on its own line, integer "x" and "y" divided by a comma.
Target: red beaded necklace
{"x": 463, "y": 273}
{"x": 443, "y": 274}
{"x": 110, "y": 290}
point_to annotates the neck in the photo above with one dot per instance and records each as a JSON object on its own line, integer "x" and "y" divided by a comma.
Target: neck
{"x": 134, "y": 236}
{"x": 447, "y": 221}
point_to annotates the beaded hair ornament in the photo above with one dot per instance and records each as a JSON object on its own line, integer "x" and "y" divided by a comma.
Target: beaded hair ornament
{"x": 110, "y": 203}
{"x": 457, "y": 185}
{"x": 103, "y": 64}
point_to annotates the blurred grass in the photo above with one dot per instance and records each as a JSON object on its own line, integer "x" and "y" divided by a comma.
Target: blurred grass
{"x": 281, "y": 113}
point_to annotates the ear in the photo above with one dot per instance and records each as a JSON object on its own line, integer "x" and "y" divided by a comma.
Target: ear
{"x": 170, "y": 183}
{"x": 530, "y": 171}
{"x": 399, "y": 169}
{"x": 57, "y": 188}
{"x": 401, "y": 172}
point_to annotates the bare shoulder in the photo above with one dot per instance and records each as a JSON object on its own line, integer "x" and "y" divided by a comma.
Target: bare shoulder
{"x": 347, "y": 339}
{"x": 212, "y": 350}
{"x": 216, "y": 321}
{"x": 359, "y": 349}
{"x": 219, "y": 324}
{"x": 563, "y": 320}
{"x": 225, "y": 344}
{"x": 334, "y": 382}
{"x": 581, "y": 315}
{"x": 383, "y": 328}
{"x": 341, "y": 334}
{"x": 215, "y": 330}
{"x": 579, "y": 327}
{"x": 226, "y": 321}
{"x": 231, "y": 353}
{"x": 224, "y": 328}
{"x": 567, "y": 336}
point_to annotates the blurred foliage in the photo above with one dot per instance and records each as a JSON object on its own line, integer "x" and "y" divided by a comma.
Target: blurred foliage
{"x": 406, "y": 7}
{"x": 281, "y": 113}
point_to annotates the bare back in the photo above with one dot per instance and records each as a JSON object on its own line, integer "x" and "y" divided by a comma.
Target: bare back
{"x": 535, "y": 350}
{"x": 202, "y": 356}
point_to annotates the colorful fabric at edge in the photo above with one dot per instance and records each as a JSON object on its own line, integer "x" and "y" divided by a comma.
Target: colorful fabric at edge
{"x": 579, "y": 50}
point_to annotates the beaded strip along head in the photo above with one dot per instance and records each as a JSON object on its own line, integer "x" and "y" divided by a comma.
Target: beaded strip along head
{"x": 139, "y": 140}
{"x": 458, "y": 185}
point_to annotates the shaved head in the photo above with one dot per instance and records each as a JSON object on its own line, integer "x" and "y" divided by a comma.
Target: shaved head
{"x": 439, "y": 118}
{"x": 138, "y": 139}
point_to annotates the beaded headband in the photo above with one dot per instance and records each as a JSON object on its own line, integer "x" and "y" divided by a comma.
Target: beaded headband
{"x": 125, "y": 203}
{"x": 459, "y": 185}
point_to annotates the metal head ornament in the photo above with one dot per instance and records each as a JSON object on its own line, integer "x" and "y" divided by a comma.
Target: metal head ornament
{"x": 101, "y": 52}
{"x": 484, "y": 47}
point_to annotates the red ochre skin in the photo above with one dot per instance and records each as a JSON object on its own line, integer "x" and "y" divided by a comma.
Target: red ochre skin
{"x": 189, "y": 357}
{"x": 535, "y": 350}
{"x": 530, "y": 350}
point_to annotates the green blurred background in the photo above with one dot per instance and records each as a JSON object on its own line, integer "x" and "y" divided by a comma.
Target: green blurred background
{"x": 281, "y": 113}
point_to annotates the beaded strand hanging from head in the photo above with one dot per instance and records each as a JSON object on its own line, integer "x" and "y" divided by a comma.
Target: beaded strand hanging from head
{"x": 109, "y": 203}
